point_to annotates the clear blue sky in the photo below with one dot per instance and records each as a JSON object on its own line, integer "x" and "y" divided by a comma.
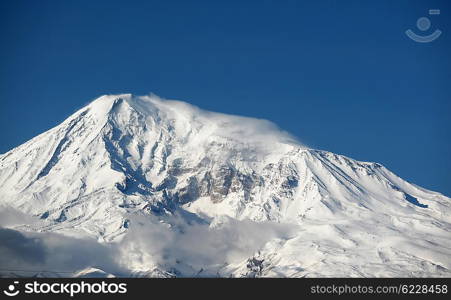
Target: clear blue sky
{"x": 340, "y": 75}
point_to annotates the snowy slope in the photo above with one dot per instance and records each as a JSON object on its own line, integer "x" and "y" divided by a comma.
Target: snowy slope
{"x": 173, "y": 190}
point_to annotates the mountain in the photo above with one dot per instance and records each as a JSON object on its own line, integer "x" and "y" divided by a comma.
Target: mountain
{"x": 140, "y": 186}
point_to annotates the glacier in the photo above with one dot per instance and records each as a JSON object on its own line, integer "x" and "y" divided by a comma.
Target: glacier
{"x": 139, "y": 186}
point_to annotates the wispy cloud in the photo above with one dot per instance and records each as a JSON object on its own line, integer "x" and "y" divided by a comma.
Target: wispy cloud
{"x": 177, "y": 243}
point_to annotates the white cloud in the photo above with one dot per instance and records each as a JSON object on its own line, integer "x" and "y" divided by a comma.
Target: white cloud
{"x": 178, "y": 243}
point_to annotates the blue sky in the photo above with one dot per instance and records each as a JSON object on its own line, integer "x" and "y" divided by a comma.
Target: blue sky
{"x": 340, "y": 75}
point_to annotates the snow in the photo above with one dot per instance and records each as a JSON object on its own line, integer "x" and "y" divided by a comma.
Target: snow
{"x": 167, "y": 189}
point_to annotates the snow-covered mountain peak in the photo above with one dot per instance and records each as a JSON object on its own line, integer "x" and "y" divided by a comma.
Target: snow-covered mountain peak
{"x": 124, "y": 157}
{"x": 186, "y": 122}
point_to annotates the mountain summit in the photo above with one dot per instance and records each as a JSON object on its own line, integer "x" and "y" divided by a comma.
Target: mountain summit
{"x": 172, "y": 190}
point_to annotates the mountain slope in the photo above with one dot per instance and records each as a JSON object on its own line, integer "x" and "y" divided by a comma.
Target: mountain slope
{"x": 282, "y": 208}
